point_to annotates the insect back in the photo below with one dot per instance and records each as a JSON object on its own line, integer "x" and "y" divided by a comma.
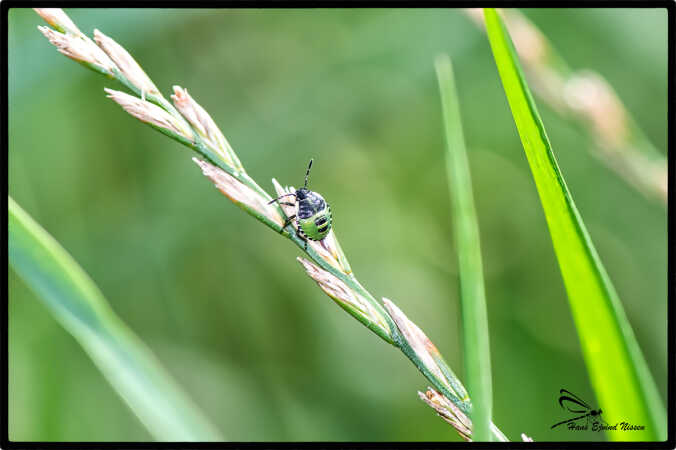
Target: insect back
{"x": 314, "y": 215}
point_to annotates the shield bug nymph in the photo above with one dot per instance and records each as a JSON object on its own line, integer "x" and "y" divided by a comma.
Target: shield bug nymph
{"x": 313, "y": 214}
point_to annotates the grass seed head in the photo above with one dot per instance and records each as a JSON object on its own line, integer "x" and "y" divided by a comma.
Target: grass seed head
{"x": 449, "y": 412}
{"x": 58, "y": 19}
{"x": 424, "y": 348}
{"x": 125, "y": 63}
{"x": 238, "y": 192}
{"x": 79, "y": 48}
{"x": 205, "y": 125}
{"x": 150, "y": 113}
{"x": 344, "y": 295}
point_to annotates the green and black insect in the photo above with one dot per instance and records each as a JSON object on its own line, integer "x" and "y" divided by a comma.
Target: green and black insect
{"x": 313, "y": 214}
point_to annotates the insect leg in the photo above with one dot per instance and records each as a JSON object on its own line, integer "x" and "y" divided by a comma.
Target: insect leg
{"x": 301, "y": 235}
{"x": 287, "y": 222}
{"x": 281, "y": 196}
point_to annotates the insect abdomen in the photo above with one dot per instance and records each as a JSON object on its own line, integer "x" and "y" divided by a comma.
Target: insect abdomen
{"x": 317, "y": 226}
{"x": 322, "y": 224}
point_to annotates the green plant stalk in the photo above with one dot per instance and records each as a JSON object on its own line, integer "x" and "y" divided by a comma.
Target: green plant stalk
{"x": 466, "y": 229}
{"x": 78, "y": 304}
{"x": 395, "y": 338}
{"x": 619, "y": 374}
{"x": 198, "y": 145}
{"x": 204, "y": 151}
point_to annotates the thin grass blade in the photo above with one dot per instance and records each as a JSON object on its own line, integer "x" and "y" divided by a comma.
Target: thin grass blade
{"x": 77, "y": 303}
{"x": 466, "y": 230}
{"x": 619, "y": 374}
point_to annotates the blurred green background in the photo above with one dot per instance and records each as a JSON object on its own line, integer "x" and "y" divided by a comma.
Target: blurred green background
{"x": 220, "y": 298}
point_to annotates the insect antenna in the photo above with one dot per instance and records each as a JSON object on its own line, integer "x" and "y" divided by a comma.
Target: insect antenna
{"x": 307, "y": 174}
{"x": 281, "y": 196}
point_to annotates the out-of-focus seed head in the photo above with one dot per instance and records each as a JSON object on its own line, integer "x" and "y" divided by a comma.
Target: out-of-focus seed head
{"x": 590, "y": 95}
{"x": 238, "y": 192}
{"x": 476, "y": 14}
{"x": 125, "y": 63}
{"x": 150, "y": 113}
{"x": 528, "y": 41}
{"x": 530, "y": 44}
{"x": 79, "y": 48}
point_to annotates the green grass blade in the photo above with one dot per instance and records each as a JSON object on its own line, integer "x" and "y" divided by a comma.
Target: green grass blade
{"x": 75, "y": 301}
{"x": 619, "y": 374}
{"x": 466, "y": 229}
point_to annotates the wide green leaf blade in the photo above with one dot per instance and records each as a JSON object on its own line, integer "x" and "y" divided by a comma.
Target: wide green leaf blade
{"x": 466, "y": 229}
{"x": 619, "y": 374}
{"x": 77, "y": 303}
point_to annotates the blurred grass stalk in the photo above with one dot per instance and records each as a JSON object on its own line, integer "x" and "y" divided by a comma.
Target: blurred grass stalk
{"x": 586, "y": 96}
{"x": 77, "y": 303}
{"x": 189, "y": 124}
{"x": 466, "y": 229}
{"x": 619, "y": 374}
